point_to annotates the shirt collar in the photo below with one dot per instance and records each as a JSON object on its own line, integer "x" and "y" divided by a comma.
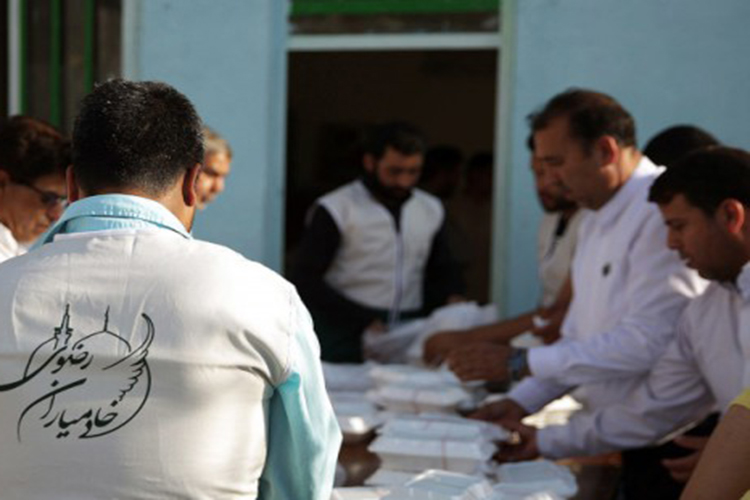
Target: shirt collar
{"x": 113, "y": 211}
{"x": 743, "y": 282}
{"x": 645, "y": 171}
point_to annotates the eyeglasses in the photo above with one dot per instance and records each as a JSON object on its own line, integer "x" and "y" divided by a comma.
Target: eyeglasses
{"x": 49, "y": 199}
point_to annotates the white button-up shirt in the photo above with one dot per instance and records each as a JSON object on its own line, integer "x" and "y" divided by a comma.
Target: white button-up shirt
{"x": 555, "y": 254}
{"x": 702, "y": 368}
{"x": 9, "y": 247}
{"x": 628, "y": 292}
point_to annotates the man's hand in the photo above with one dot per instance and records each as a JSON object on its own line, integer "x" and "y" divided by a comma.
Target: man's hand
{"x": 681, "y": 468}
{"x": 548, "y": 330}
{"x": 525, "y": 448}
{"x": 504, "y": 412}
{"x": 482, "y": 361}
{"x": 438, "y": 346}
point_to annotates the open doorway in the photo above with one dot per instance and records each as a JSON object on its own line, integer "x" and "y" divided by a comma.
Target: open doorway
{"x": 334, "y": 96}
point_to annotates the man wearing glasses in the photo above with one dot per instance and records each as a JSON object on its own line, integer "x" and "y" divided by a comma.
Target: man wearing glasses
{"x": 33, "y": 158}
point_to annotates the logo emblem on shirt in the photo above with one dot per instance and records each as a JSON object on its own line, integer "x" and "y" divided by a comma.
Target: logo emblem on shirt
{"x": 86, "y": 387}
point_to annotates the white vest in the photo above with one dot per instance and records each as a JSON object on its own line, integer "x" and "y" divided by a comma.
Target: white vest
{"x": 376, "y": 265}
{"x": 138, "y": 364}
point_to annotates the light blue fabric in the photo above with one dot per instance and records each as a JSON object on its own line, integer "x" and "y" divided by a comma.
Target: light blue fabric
{"x": 113, "y": 211}
{"x": 302, "y": 428}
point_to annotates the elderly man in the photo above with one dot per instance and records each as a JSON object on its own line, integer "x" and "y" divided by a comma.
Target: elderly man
{"x": 216, "y": 167}
{"x": 376, "y": 249}
{"x": 139, "y": 362}
{"x": 33, "y": 158}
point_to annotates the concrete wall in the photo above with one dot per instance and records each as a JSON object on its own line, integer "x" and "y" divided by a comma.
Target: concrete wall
{"x": 666, "y": 61}
{"x": 229, "y": 58}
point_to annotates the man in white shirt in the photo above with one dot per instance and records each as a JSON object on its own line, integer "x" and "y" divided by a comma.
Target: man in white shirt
{"x": 33, "y": 158}
{"x": 705, "y": 203}
{"x": 139, "y": 362}
{"x": 556, "y": 242}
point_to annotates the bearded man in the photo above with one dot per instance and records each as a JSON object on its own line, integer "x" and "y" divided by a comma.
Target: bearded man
{"x": 375, "y": 249}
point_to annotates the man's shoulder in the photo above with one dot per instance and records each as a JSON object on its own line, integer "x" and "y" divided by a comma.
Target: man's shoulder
{"x": 223, "y": 264}
{"x": 348, "y": 191}
{"x": 430, "y": 201}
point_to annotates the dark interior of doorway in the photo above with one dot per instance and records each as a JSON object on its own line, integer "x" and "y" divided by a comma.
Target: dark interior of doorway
{"x": 335, "y": 96}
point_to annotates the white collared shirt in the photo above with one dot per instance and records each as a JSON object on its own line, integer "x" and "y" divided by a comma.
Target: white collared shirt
{"x": 555, "y": 253}
{"x": 628, "y": 292}
{"x": 702, "y": 368}
{"x": 9, "y": 247}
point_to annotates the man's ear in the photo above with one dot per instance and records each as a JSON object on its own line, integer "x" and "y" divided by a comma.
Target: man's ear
{"x": 607, "y": 149}
{"x": 369, "y": 161}
{"x": 4, "y": 178}
{"x": 733, "y": 215}
{"x": 74, "y": 192}
{"x": 189, "y": 183}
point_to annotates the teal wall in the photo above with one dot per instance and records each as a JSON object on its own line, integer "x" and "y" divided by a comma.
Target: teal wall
{"x": 666, "y": 61}
{"x": 229, "y": 58}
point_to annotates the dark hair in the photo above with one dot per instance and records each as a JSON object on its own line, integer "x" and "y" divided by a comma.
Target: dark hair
{"x": 706, "y": 178}
{"x": 31, "y": 148}
{"x": 590, "y": 114}
{"x": 140, "y": 135}
{"x": 530, "y": 144}
{"x": 673, "y": 143}
{"x": 401, "y": 136}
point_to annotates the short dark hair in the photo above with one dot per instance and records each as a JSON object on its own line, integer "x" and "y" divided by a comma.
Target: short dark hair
{"x": 673, "y": 143}
{"x": 141, "y": 135}
{"x": 401, "y": 136}
{"x": 590, "y": 114}
{"x": 31, "y": 148}
{"x": 706, "y": 178}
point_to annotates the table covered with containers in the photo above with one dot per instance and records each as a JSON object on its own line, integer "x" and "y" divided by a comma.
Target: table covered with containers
{"x": 406, "y": 435}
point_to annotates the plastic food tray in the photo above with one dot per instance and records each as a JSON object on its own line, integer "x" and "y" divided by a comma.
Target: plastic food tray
{"x": 443, "y": 485}
{"x": 535, "y": 477}
{"x": 417, "y": 455}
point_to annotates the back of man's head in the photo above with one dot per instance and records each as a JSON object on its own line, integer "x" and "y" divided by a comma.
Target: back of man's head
{"x": 671, "y": 144}
{"x": 401, "y": 136}
{"x": 31, "y": 148}
{"x": 706, "y": 178}
{"x": 591, "y": 115}
{"x": 135, "y": 136}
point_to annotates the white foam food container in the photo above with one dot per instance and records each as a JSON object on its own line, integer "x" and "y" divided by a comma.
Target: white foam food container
{"x": 414, "y": 399}
{"x": 417, "y": 455}
{"x": 359, "y": 493}
{"x": 347, "y": 377}
{"x": 389, "y": 478}
{"x": 538, "y": 476}
{"x": 383, "y": 375}
{"x": 442, "y": 485}
{"x": 445, "y": 427}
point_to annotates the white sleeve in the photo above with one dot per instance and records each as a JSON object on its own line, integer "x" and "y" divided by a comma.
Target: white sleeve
{"x": 658, "y": 289}
{"x": 303, "y": 436}
{"x": 533, "y": 393}
{"x": 673, "y": 395}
